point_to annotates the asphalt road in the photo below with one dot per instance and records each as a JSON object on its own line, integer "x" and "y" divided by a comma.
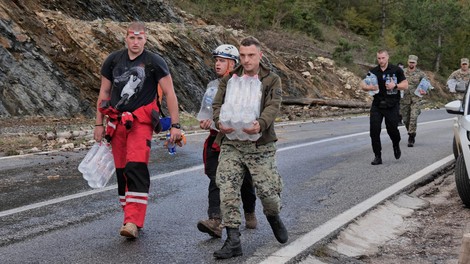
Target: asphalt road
{"x": 50, "y": 215}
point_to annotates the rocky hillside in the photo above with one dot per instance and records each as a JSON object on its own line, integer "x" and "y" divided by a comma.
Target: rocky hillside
{"x": 51, "y": 52}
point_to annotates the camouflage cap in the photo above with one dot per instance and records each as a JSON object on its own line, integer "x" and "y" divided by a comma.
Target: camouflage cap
{"x": 464, "y": 61}
{"x": 413, "y": 58}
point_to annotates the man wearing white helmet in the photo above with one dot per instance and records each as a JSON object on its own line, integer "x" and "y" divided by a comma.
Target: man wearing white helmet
{"x": 226, "y": 57}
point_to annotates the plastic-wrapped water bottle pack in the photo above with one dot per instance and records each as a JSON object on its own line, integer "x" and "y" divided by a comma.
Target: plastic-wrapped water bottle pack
{"x": 98, "y": 165}
{"x": 241, "y": 106}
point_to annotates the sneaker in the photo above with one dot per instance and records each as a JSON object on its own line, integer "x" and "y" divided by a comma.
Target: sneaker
{"x": 212, "y": 227}
{"x": 250, "y": 220}
{"x": 129, "y": 230}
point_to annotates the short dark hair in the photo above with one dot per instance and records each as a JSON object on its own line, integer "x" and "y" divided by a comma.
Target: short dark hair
{"x": 382, "y": 51}
{"x": 250, "y": 41}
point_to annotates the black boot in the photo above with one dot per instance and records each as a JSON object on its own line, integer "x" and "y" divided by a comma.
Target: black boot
{"x": 232, "y": 246}
{"x": 279, "y": 230}
{"x": 411, "y": 139}
{"x": 397, "y": 151}
{"x": 377, "y": 160}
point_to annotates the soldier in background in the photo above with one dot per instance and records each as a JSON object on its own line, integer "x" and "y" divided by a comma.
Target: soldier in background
{"x": 459, "y": 79}
{"x": 410, "y": 104}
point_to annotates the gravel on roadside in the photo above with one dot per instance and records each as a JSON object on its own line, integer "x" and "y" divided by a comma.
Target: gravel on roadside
{"x": 431, "y": 235}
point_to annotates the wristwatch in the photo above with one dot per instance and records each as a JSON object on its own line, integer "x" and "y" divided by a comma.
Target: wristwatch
{"x": 396, "y": 86}
{"x": 176, "y": 125}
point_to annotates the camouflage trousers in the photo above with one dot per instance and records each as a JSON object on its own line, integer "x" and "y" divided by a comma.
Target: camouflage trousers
{"x": 410, "y": 108}
{"x": 237, "y": 156}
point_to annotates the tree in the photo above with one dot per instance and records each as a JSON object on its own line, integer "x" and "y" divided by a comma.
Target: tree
{"x": 433, "y": 22}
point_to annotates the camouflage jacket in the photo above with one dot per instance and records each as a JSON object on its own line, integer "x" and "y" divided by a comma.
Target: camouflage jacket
{"x": 460, "y": 75}
{"x": 413, "y": 77}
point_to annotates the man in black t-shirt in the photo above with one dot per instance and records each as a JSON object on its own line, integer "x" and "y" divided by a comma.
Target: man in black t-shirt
{"x": 129, "y": 81}
{"x": 391, "y": 79}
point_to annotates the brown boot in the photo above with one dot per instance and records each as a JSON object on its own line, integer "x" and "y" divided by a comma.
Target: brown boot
{"x": 250, "y": 220}
{"x": 211, "y": 226}
{"x": 129, "y": 230}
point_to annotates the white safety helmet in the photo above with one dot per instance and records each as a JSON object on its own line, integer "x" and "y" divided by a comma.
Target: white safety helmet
{"x": 226, "y": 51}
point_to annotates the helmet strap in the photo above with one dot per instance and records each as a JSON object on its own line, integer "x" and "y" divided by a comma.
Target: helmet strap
{"x": 227, "y": 70}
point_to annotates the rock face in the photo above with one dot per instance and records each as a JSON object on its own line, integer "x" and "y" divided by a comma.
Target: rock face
{"x": 51, "y": 52}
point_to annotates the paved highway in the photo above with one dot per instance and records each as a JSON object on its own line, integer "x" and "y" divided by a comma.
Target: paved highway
{"x": 50, "y": 215}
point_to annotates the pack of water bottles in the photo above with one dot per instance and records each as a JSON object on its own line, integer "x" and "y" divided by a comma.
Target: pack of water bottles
{"x": 371, "y": 79}
{"x": 98, "y": 165}
{"x": 241, "y": 106}
{"x": 206, "y": 111}
{"x": 423, "y": 87}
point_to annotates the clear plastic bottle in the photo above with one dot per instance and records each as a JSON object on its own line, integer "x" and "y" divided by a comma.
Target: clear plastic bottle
{"x": 170, "y": 145}
{"x": 371, "y": 79}
{"x": 206, "y": 110}
{"x": 387, "y": 81}
{"x": 394, "y": 78}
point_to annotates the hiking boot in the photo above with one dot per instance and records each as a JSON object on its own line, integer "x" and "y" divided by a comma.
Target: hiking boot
{"x": 210, "y": 226}
{"x": 411, "y": 139}
{"x": 232, "y": 246}
{"x": 377, "y": 160}
{"x": 129, "y": 230}
{"x": 397, "y": 151}
{"x": 279, "y": 230}
{"x": 250, "y": 220}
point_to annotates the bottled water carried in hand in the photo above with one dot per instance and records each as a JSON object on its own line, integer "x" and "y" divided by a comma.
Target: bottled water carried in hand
{"x": 424, "y": 86}
{"x": 241, "y": 106}
{"x": 206, "y": 110}
{"x": 98, "y": 165}
{"x": 84, "y": 166}
{"x": 371, "y": 79}
{"x": 390, "y": 79}
{"x": 171, "y": 146}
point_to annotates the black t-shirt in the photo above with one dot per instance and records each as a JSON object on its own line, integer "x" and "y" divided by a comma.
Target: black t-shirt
{"x": 391, "y": 70}
{"x": 139, "y": 78}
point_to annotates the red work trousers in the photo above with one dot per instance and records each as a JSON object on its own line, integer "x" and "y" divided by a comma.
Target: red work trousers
{"x": 131, "y": 151}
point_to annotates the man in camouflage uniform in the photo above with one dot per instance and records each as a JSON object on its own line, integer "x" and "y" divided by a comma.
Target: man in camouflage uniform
{"x": 459, "y": 79}
{"x": 410, "y": 104}
{"x": 226, "y": 58}
{"x": 257, "y": 156}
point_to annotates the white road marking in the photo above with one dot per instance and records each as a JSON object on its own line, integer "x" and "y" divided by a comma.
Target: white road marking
{"x": 161, "y": 176}
{"x": 296, "y": 247}
{"x": 87, "y": 193}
